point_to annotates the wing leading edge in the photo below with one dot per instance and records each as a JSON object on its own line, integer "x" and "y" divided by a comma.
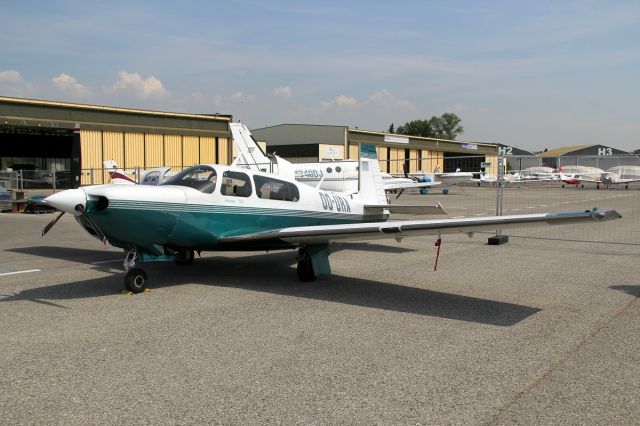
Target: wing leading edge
{"x": 400, "y": 229}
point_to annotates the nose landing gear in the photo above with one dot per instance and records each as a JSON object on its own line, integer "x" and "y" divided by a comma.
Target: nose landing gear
{"x": 135, "y": 279}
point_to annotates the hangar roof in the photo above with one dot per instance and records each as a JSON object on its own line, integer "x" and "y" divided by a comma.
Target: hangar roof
{"x": 596, "y": 149}
{"x": 41, "y": 113}
{"x": 516, "y": 151}
{"x": 303, "y": 134}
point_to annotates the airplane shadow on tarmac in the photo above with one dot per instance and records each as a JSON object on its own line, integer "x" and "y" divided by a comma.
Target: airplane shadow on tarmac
{"x": 273, "y": 273}
{"x": 633, "y": 290}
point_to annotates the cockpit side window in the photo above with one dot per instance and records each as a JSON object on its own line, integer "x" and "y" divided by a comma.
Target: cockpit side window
{"x": 268, "y": 188}
{"x": 202, "y": 178}
{"x": 235, "y": 184}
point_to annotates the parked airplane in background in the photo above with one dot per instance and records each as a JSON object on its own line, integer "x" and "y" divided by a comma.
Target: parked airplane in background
{"x": 342, "y": 176}
{"x": 621, "y": 175}
{"x": 447, "y": 179}
{"x": 222, "y": 208}
{"x": 153, "y": 176}
{"x": 336, "y": 176}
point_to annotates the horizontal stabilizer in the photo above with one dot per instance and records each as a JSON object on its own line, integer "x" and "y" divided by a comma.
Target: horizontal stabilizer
{"x": 405, "y": 209}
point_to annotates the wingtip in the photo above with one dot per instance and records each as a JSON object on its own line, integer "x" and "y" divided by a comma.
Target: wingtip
{"x": 606, "y": 214}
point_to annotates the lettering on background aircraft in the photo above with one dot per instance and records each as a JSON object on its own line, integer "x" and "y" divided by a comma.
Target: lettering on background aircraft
{"x": 333, "y": 201}
{"x": 311, "y": 173}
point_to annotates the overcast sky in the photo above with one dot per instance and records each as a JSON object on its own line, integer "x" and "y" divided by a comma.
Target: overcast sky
{"x": 532, "y": 74}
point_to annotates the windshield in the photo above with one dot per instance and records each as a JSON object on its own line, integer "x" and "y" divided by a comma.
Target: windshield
{"x": 202, "y": 178}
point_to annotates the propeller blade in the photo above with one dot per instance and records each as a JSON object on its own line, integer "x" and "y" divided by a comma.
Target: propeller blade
{"x": 50, "y": 224}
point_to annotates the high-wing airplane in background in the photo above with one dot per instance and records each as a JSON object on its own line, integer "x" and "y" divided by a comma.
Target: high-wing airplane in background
{"x": 225, "y": 208}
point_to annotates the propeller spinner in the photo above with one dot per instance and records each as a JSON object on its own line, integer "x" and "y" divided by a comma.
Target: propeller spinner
{"x": 70, "y": 201}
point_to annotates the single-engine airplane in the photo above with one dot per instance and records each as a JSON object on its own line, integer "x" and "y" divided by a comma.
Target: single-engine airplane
{"x": 224, "y": 208}
{"x": 153, "y": 176}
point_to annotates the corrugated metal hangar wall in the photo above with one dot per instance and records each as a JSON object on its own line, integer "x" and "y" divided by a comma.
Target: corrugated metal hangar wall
{"x": 78, "y": 138}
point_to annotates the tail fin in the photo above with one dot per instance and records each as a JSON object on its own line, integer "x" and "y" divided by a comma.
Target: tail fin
{"x": 371, "y": 184}
{"x": 250, "y": 154}
{"x": 116, "y": 174}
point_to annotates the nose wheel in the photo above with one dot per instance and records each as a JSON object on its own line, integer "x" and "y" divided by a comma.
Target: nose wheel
{"x": 135, "y": 280}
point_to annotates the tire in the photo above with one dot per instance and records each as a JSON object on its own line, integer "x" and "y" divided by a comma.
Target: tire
{"x": 184, "y": 258}
{"x": 136, "y": 280}
{"x": 305, "y": 269}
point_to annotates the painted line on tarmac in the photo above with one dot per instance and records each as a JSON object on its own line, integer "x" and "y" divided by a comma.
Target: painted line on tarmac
{"x": 26, "y": 271}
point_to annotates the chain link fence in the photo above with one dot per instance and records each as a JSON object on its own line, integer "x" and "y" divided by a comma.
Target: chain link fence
{"x": 476, "y": 195}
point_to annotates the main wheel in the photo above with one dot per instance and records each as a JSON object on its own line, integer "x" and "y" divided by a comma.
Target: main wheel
{"x": 184, "y": 258}
{"x": 135, "y": 281}
{"x": 305, "y": 268}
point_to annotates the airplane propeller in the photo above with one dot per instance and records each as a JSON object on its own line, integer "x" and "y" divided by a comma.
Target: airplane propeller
{"x": 71, "y": 201}
{"x": 50, "y": 224}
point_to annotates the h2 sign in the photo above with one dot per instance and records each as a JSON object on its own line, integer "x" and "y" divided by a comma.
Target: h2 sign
{"x": 505, "y": 150}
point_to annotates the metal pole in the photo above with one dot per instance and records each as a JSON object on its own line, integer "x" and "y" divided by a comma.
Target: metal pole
{"x": 53, "y": 174}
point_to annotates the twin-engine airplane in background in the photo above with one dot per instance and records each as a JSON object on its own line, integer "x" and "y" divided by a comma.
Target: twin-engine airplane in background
{"x": 335, "y": 176}
{"x": 223, "y": 208}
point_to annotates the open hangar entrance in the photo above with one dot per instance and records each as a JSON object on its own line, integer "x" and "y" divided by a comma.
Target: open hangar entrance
{"x": 47, "y": 143}
{"x": 455, "y": 161}
{"x": 45, "y": 157}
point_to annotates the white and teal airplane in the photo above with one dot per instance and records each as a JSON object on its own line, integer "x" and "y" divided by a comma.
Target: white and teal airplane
{"x": 223, "y": 208}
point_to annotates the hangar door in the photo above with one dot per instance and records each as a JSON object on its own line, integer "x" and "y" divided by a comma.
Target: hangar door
{"x": 38, "y": 152}
{"x": 465, "y": 162}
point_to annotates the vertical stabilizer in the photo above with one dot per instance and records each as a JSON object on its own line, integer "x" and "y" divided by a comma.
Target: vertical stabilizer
{"x": 371, "y": 185}
{"x": 250, "y": 154}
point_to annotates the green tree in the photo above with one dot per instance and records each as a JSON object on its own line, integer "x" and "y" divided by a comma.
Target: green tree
{"x": 447, "y": 126}
{"x": 416, "y": 128}
{"x": 391, "y": 129}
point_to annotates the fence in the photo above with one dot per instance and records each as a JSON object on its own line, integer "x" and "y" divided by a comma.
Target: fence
{"x": 481, "y": 197}
{"x": 474, "y": 197}
{"x": 35, "y": 179}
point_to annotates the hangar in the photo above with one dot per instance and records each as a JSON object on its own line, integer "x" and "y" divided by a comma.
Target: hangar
{"x": 519, "y": 159}
{"x": 311, "y": 143}
{"x": 74, "y": 139}
{"x": 600, "y": 156}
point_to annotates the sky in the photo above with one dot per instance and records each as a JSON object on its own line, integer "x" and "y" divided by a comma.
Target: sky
{"x": 530, "y": 74}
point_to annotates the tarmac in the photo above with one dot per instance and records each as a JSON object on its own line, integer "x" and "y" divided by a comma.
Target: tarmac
{"x": 542, "y": 330}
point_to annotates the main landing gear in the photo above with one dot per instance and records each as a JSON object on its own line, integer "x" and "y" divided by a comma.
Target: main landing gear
{"x": 313, "y": 262}
{"x": 305, "y": 265}
{"x": 184, "y": 257}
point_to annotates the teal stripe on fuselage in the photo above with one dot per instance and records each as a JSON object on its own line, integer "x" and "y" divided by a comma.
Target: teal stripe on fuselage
{"x": 145, "y": 223}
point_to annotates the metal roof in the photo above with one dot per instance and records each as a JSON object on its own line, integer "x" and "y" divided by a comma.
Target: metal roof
{"x": 557, "y": 152}
{"x": 100, "y": 108}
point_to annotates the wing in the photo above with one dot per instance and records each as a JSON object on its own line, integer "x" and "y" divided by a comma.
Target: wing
{"x": 404, "y": 209}
{"x": 400, "y": 229}
{"x": 390, "y": 185}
